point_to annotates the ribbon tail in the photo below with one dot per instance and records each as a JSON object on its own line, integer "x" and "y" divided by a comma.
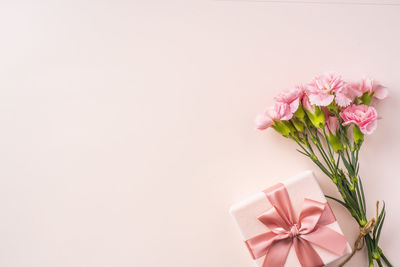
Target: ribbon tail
{"x": 259, "y": 245}
{"x": 328, "y": 239}
{"x": 327, "y": 216}
{"x": 306, "y": 254}
{"x": 277, "y": 254}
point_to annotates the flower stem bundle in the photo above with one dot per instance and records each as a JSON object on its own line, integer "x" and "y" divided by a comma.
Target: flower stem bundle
{"x": 328, "y": 118}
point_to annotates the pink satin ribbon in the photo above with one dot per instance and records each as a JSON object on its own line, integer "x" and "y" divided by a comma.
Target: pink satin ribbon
{"x": 285, "y": 230}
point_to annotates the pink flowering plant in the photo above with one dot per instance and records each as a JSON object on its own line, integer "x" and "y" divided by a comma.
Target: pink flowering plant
{"x": 329, "y": 118}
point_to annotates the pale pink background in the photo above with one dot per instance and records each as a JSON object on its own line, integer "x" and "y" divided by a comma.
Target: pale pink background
{"x": 126, "y": 126}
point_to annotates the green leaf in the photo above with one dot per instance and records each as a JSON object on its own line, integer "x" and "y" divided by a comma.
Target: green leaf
{"x": 378, "y": 228}
{"x": 359, "y": 197}
{"x": 379, "y": 220}
{"x": 337, "y": 200}
{"x": 386, "y": 260}
{"x": 302, "y": 152}
{"x": 346, "y": 164}
{"x": 362, "y": 194}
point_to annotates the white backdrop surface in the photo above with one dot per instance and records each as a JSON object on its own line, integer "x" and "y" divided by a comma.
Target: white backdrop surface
{"x": 127, "y": 127}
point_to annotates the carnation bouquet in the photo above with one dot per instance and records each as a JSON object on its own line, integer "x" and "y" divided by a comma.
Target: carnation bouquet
{"x": 328, "y": 118}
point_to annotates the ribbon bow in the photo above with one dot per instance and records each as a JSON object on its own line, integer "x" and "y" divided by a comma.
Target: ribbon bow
{"x": 285, "y": 231}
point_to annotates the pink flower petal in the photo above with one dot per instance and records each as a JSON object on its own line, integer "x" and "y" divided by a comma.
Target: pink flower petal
{"x": 320, "y": 99}
{"x": 294, "y": 105}
{"x": 369, "y": 128}
{"x": 332, "y": 124}
{"x": 342, "y": 100}
{"x": 263, "y": 121}
{"x": 381, "y": 92}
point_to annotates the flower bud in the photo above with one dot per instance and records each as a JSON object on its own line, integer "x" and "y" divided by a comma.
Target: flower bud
{"x": 358, "y": 136}
{"x": 300, "y": 114}
{"x": 317, "y": 118}
{"x": 285, "y": 128}
{"x": 335, "y": 142}
{"x": 331, "y": 128}
{"x": 299, "y": 125}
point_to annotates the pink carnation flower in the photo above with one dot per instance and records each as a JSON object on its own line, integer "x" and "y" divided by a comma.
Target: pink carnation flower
{"x": 291, "y": 97}
{"x": 368, "y": 85}
{"x": 322, "y": 90}
{"x": 278, "y": 112}
{"x": 365, "y": 117}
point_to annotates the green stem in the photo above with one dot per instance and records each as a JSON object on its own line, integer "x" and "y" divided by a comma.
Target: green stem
{"x": 312, "y": 156}
{"x": 349, "y": 184}
{"x": 386, "y": 260}
{"x": 322, "y": 151}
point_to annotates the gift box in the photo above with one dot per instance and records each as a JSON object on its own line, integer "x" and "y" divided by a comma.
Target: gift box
{"x": 290, "y": 224}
